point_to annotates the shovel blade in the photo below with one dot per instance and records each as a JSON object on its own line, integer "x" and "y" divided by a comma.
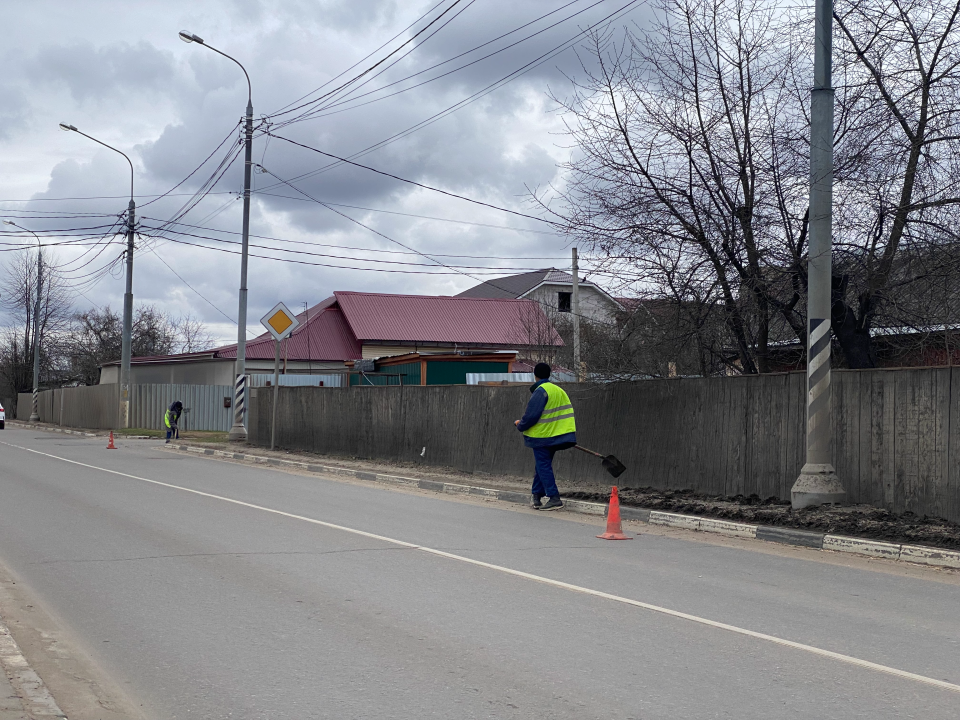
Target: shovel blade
{"x": 614, "y": 466}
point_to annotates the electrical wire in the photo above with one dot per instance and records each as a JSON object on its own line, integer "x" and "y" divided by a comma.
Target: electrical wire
{"x": 197, "y": 236}
{"x": 405, "y": 180}
{"x": 323, "y": 111}
{"x": 360, "y": 249}
{"x": 375, "y": 65}
{"x": 478, "y": 94}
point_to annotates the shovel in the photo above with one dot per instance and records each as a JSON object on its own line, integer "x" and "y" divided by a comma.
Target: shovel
{"x": 610, "y": 463}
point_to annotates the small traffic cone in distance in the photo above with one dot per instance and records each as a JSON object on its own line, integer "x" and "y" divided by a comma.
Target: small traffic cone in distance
{"x": 614, "y": 526}
{"x": 111, "y": 446}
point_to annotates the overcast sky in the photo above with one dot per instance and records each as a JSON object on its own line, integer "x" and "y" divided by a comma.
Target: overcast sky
{"x": 118, "y": 71}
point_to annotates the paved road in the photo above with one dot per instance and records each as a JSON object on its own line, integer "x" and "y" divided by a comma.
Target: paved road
{"x": 206, "y": 608}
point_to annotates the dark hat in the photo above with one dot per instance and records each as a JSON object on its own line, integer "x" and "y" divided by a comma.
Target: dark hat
{"x": 541, "y": 371}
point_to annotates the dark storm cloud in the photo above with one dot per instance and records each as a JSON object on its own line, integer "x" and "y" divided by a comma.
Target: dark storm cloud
{"x": 169, "y": 104}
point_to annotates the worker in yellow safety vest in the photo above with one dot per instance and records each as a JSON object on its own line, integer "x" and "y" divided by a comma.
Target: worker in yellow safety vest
{"x": 547, "y": 426}
{"x": 171, "y": 417}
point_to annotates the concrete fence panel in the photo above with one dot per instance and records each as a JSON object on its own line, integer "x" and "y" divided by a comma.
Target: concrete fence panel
{"x": 95, "y": 406}
{"x": 896, "y": 432}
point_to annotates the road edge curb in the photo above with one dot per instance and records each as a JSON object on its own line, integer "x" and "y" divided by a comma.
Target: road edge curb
{"x": 901, "y": 552}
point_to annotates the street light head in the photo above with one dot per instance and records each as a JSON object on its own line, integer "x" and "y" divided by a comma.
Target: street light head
{"x": 190, "y": 37}
{"x": 68, "y": 128}
{"x": 7, "y": 222}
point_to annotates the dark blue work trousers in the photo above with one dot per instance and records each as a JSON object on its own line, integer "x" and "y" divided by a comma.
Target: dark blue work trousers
{"x": 544, "y": 483}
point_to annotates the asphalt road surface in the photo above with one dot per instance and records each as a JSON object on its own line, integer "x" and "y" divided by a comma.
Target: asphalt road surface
{"x": 219, "y": 590}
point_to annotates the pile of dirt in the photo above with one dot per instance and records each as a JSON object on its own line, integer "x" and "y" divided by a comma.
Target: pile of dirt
{"x": 852, "y": 520}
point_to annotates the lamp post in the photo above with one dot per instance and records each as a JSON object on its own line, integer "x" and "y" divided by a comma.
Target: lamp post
{"x": 35, "y": 413}
{"x": 126, "y": 339}
{"x": 239, "y": 430}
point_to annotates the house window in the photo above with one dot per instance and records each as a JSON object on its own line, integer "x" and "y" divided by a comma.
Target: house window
{"x": 563, "y": 301}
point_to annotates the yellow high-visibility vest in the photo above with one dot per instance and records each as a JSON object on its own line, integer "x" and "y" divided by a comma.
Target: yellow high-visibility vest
{"x": 557, "y": 418}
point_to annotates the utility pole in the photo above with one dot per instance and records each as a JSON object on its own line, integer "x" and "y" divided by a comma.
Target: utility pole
{"x": 818, "y": 482}
{"x": 126, "y": 338}
{"x": 239, "y": 430}
{"x": 35, "y": 413}
{"x": 575, "y": 307}
{"x": 126, "y": 341}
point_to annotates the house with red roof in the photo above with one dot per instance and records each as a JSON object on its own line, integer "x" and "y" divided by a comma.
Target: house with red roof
{"x": 427, "y": 339}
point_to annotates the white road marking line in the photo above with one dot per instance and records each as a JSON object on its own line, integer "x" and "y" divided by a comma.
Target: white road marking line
{"x": 942, "y": 684}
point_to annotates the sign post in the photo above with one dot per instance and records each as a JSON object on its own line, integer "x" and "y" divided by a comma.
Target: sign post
{"x": 280, "y": 323}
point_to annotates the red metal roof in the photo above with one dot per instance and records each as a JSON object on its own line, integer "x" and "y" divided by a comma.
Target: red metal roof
{"x": 442, "y": 319}
{"x": 335, "y": 329}
{"x": 324, "y": 337}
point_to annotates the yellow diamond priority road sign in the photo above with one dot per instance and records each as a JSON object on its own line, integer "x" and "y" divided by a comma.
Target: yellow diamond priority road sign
{"x": 280, "y": 322}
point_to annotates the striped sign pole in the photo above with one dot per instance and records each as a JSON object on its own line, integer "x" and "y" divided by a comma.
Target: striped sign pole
{"x": 818, "y": 482}
{"x": 240, "y": 401}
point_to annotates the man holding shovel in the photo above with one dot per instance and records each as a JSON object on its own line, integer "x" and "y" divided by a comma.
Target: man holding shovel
{"x": 547, "y": 426}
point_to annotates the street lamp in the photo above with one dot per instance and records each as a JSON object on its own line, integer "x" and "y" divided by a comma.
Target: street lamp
{"x": 128, "y": 295}
{"x": 239, "y": 430}
{"x": 35, "y": 413}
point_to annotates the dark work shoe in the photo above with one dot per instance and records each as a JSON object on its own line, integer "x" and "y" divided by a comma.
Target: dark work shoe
{"x": 535, "y": 503}
{"x": 553, "y": 503}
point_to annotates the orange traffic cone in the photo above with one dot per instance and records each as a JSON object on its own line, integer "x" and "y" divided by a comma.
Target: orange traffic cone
{"x": 614, "y": 527}
{"x": 111, "y": 446}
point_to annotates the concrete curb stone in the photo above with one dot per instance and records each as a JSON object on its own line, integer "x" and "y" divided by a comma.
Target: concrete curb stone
{"x": 861, "y": 547}
{"x": 919, "y": 554}
{"x": 930, "y": 556}
{"x": 789, "y": 536}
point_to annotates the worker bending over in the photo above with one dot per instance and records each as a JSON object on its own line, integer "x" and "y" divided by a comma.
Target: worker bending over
{"x": 171, "y": 417}
{"x": 548, "y": 426}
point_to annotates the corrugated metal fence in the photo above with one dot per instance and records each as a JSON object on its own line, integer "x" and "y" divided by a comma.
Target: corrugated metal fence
{"x": 202, "y": 405}
{"x": 97, "y": 406}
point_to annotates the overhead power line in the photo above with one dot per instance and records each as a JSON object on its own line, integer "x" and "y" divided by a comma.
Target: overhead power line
{"x": 405, "y": 180}
{"x": 359, "y": 249}
{"x": 509, "y": 77}
{"x": 376, "y": 64}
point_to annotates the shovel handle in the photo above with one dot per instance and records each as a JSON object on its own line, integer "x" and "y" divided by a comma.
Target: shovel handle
{"x": 589, "y": 452}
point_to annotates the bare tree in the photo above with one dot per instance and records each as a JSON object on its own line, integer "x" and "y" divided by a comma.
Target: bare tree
{"x": 900, "y": 191}
{"x": 191, "y": 334}
{"x": 96, "y": 338}
{"x": 688, "y": 176}
{"x": 18, "y": 297}
{"x": 690, "y": 180}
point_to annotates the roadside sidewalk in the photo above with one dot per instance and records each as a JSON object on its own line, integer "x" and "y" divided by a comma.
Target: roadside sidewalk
{"x": 23, "y": 695}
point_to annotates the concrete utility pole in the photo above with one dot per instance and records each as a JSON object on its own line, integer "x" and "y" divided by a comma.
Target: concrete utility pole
{"x": 35, "y": 413}
{"x": 239, "y": 430}
{"x": 575, "y": 308}
{"x": 818, "y": 482}
{"x": 126, "y": 340}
